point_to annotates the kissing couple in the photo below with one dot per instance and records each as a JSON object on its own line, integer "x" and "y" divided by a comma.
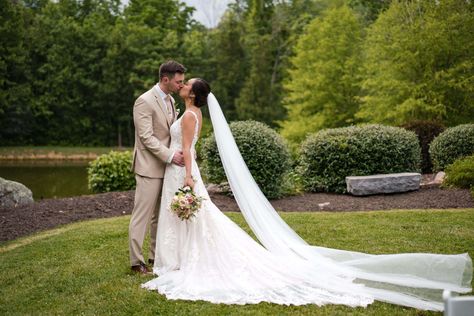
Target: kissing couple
{"x": 211, "y": 258}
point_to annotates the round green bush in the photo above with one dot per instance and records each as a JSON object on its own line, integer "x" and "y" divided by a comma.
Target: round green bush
{"x": 460, "y": 174}
{"x": 426, "y": 132}
{"x": 327, "y": 157}
{"x": 264, "y": 151}
{"x": 111, "y": 172}
{"x": 452, "y": 144}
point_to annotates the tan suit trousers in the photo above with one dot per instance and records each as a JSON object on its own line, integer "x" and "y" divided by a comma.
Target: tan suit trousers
{"x": 145, "y": 213}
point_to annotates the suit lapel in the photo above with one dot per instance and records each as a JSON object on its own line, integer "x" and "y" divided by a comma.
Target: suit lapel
{"x": 161, "y": 106}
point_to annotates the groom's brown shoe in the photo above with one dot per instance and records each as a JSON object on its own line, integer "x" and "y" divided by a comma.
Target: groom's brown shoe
{"x": 141, "y": 269}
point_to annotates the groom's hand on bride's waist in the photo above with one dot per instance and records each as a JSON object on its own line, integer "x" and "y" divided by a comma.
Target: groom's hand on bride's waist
{"x": 178, "y": 158}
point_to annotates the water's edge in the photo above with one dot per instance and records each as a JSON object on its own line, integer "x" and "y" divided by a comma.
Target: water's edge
{"x": 48, "y": 178}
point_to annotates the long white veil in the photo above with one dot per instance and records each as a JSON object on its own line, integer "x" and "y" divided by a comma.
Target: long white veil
{"x": 411, "y": 279}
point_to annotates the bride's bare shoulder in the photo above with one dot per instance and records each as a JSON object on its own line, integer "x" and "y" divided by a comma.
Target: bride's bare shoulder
{"x": 190, "y": 116}
{"x": 189, "y": 119}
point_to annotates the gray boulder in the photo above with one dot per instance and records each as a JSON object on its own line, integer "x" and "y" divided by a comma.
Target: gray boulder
{"x": 13, "y": 194}
{"x": 383, "y": 183}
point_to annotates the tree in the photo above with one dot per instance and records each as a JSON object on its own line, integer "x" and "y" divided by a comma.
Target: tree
{"x": 15, "y": 89}
{"x": 229, "y": 59}
{"x": 258, "y": 98}
{"x": 324, "y": 80}
{"x": 155, "y": 32}
{"x": 71, "y": 69}
{"x": 270, "y": 33}
{"x": 369, "y": 9}
{"x": 420, "y": 63}
{"x": 69, "y": 43}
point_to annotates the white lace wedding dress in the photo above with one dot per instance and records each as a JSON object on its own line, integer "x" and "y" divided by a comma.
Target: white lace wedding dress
{"x": 211, "y": 258}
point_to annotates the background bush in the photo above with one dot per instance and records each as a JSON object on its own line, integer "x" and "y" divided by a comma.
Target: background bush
{"x": 330, "y": 155}
{"x": 206, "y": 131}
{"x": 111, "y": 172}
{"x": 426, "y": 132}
{"x": 452, "y": 144}
{"x": 460, "y": 174}
{"x": 264, "y": 151}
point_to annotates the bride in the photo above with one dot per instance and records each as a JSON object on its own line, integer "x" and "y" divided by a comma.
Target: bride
{"x": 211, "y": 258}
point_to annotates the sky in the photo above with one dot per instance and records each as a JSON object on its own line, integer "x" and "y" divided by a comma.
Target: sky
{"x": 208, "y": 12}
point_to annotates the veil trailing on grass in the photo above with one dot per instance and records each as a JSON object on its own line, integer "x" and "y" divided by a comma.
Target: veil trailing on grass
{"x": 411, "y": 279}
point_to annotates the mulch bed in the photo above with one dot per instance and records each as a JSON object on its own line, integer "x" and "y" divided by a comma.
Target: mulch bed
{"x": 49, "y": 213}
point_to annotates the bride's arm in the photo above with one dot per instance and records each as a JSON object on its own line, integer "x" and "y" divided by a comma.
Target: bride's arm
{"x": 188, "y": 127}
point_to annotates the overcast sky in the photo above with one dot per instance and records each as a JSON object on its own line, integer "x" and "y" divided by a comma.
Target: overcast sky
{"x": 208, "y": 12}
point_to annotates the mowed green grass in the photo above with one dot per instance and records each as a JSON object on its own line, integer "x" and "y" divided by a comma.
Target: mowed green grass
{"x": 82, "y": 268}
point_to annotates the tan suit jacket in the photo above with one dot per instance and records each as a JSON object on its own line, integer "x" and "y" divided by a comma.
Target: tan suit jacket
{"x": 152, "y": 135}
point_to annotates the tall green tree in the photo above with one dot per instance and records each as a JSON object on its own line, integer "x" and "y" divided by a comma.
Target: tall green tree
{"x": 369, "y": 9}
{"x": 155, "y": 32}
{"x": 229, "y": 59}
{"x": 15, "y": 74}
{"x": 83, "y": 63}
{"x": 270, "y": 33}
{"x": 258, "y": 98}
{"x": 420, "y": 63}
{"x": 69, "y": 44}
{"x": 324, "y": 80}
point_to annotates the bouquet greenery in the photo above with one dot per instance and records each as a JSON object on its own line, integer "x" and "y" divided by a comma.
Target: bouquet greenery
{"x": 185, "y": 203}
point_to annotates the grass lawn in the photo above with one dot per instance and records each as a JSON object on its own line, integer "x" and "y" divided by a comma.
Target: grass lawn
{"x": 82, "y": 268}
{"x": 54, "y": 152}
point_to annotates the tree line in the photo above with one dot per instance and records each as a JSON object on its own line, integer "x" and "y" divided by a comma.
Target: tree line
{"x": 70, "y": 70}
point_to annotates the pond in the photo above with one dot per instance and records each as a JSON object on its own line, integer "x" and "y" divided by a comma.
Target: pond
{"x": 48, "y": 178}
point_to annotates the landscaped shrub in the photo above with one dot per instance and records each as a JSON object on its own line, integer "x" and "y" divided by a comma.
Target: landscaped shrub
{"x": 460, "y": 174}
{"x": 264, "y": 151}
{"x": 111, "y": 172}
{"x": 452, "y": 144}
{"x": 330, "y": 155}
{"x": 426, "y": 132}
{"x": 206, "y": 130}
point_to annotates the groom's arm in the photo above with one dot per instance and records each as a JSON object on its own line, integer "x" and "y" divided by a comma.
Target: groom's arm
{"x": 142, "y": 118}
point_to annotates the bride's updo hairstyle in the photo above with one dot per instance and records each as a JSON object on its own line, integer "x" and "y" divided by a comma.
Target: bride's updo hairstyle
{"x": 201, "y": 90}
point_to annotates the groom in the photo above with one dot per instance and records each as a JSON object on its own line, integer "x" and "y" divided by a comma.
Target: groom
{"x": 153, "y": 114}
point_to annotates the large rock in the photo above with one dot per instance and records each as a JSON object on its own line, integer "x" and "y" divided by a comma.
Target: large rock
{"x": 13, "y": 194}
{"x": 383, "y": 183}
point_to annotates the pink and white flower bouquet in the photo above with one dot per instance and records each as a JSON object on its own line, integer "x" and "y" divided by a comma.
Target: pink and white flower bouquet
{"x": 186, "y": 203}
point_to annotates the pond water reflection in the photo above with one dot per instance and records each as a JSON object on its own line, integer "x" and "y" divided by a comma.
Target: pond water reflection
{"x": 48, "y": 178}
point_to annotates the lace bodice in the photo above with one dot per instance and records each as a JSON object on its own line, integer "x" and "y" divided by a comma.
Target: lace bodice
{"x": 177, "y": 134}
{"x": 174, "y": 175}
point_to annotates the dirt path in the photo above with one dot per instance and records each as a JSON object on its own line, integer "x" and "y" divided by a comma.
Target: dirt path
{"x": 49, "y": 213}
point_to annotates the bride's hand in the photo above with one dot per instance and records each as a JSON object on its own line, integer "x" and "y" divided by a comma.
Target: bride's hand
{"x": 188, "y": 181}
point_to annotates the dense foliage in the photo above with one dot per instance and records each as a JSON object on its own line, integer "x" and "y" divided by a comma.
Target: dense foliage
{"x": 420, "y": 63}
{"x": 330, "y": 155}
{"x": 111, "y": 172}
{"x": 324, "y": 85}
{"x": 70, "y": 70}
{"x": 262, "y": 149}
{"x": 426, "y": 132}
{"x": 452, "y": 144}
{"x": 460, "y": 173}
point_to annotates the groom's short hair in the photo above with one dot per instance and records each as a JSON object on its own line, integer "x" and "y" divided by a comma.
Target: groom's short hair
{"x": 170, "y": 68}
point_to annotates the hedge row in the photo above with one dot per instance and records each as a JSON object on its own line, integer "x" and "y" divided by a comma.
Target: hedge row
{"x": 324, "y": 159}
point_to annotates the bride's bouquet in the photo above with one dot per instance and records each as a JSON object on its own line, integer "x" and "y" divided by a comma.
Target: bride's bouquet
{"x": 185, "y": 203}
